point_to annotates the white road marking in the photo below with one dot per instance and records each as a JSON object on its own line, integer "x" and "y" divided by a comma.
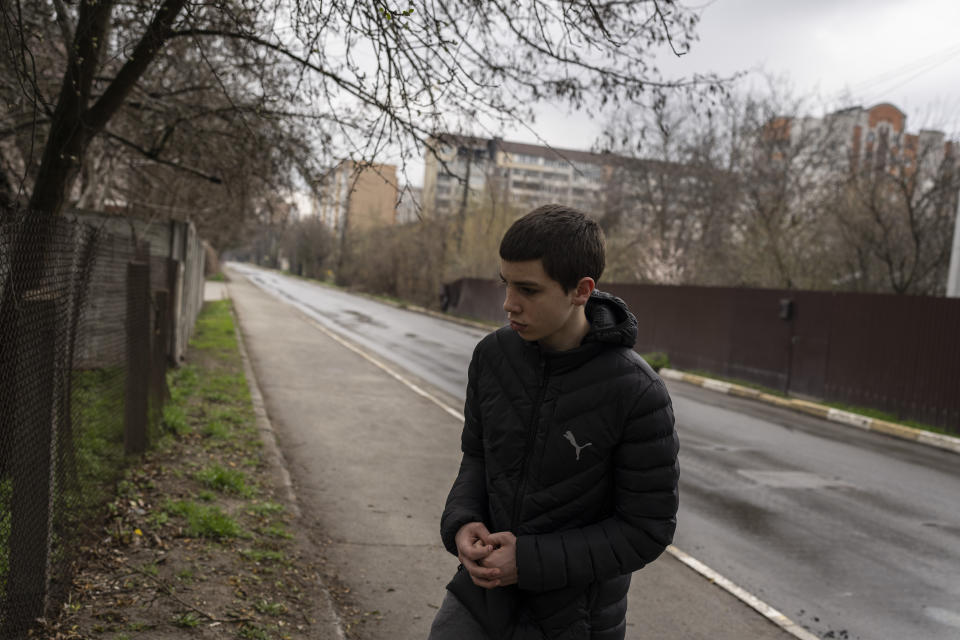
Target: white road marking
{"x": 413, "y": 387}
{"x": 743, "y": 595}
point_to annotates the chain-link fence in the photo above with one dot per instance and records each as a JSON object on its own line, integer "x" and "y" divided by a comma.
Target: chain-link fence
{"x": 90, "y": 319}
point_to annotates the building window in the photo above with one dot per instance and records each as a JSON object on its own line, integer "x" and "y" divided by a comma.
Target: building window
{"x": 522, "y": 158}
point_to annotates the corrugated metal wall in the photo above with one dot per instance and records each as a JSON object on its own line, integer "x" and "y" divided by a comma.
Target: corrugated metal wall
{"x": 899, "y": 354}
{"x": 176, "y": 256}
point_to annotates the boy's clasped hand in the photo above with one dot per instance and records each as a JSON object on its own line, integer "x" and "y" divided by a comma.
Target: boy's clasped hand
{"x": 489, "y": 558}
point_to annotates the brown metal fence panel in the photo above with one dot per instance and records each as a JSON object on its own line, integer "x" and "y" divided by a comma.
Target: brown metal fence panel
{"x": 809, "y": 343}
{"x": 725, "y": 331}
{"x": 898, "y": 354}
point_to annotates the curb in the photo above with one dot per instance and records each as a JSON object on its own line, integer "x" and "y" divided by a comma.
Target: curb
{"x": 274, "y": 456}
{"x": 846, "y": 418}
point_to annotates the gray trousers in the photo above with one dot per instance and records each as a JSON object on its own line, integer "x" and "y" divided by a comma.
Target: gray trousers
{"x": 454, "y": 622}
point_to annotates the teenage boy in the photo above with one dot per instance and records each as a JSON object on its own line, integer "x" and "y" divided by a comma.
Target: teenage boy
{"x": 568, "y": 481}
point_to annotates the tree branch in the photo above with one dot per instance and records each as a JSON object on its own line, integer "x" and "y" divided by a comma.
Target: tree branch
{"x": 154, "y": 156}
{"x": 63, "y": 19}
{"x": 143, "y": 54}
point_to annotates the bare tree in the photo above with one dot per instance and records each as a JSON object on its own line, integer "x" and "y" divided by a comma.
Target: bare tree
{"x": 751, "y": 192}
{"x": 670, "y": 195}
{"x": 405, "y": 261}
{"x": 373, "y": 75}
{"x": 309, "y": 246}
{"x": 474, "y": 234}
{"x": 787, "y": 166}
{"x": 895, "y": 214}
{"x": 734, "y": 192}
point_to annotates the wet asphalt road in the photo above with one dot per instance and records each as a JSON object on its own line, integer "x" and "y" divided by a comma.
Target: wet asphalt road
{"x": 851, "y": 534}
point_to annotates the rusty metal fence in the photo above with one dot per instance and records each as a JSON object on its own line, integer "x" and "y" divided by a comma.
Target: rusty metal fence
{"x": 89, "y": 322}
{"x": 898, "y": 354}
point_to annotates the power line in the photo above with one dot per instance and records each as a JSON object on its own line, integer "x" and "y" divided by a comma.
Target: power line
{"x": 915, "y": 68}
{"x": 922, "y": 71}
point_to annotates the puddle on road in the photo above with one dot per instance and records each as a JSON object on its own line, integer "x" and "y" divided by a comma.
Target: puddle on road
{"x": 322, "y": 312}
{"x": 364, "y": 318}
{"x": 690, "y": 441}
{"x": 423, "y": 342}
{"x": 792, "y": 479}
{"x": 949, "y": 528}
{"x": 717, "y": 447}
{"x": 944, "y": 616}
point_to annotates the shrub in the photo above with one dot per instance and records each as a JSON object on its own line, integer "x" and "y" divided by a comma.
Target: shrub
{"x": 657, "y": 360}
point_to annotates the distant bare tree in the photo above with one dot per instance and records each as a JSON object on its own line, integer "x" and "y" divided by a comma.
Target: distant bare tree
{"x": 309, "y": 245}
{"x": 403, "y": 261}
{"x": 474, "y": 235}
{"x": 729, "y": 193}
{"x": 785, "y": 170}
{"x": 669, "y": 197}
{"x": 895, "y": 214}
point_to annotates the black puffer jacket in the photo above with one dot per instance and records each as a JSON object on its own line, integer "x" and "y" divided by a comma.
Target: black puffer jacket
{"x": 576, "y": 454}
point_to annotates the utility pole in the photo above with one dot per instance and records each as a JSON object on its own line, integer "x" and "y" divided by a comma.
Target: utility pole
{"x": 462, "y": 215}
{"x": 953, "y": 274}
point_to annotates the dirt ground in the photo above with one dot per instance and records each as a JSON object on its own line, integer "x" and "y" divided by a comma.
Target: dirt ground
{"x": 198, "y": 543}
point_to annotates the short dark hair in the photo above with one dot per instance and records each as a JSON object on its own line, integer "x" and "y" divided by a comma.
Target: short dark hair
{"x": 569, "y": 243}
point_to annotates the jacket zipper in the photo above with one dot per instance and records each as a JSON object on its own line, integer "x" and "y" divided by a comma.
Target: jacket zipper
{"x": 531, "y": 436}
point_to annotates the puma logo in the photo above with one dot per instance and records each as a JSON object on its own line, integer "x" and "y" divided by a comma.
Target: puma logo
{"x": 569, "y": 436}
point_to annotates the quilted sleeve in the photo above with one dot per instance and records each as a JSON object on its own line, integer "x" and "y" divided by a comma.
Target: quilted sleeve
{"x": 467, "y": 500}
{"x": 646, "y": 500}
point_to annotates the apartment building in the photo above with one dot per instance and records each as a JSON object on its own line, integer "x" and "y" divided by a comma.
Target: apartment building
{"x": 358, "y": 197}
{"x": 410, "y": 207}
{"x": 869, "y": 137}
{"x": 525, "y": 175}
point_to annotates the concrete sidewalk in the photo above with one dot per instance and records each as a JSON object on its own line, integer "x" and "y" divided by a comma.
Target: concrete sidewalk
{"x": 371, "y": 463}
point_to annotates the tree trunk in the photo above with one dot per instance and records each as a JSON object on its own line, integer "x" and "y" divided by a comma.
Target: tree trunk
{"x": 65, "y": 147}
{"x": 70, "y": 126}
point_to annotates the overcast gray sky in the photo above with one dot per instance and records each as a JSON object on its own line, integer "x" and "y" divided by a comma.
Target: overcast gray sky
{"x": 906, "y": 52}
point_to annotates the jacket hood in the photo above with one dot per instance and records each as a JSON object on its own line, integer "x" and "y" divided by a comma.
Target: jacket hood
{"x": 611, "y": 324}
{"x": 610, "y": 320}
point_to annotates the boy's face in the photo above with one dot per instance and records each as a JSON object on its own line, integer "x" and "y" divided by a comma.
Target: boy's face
{"x": 537, "y": 306}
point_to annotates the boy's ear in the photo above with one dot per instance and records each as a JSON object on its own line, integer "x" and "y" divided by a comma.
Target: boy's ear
{"x": 583, "y": 290}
